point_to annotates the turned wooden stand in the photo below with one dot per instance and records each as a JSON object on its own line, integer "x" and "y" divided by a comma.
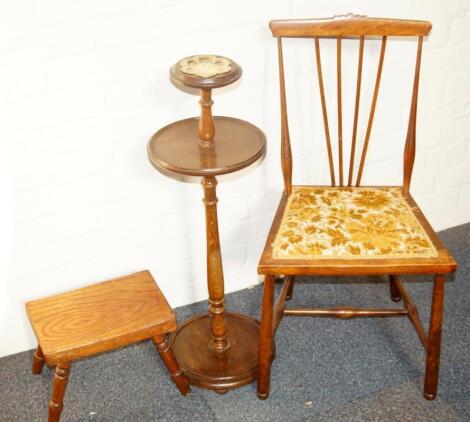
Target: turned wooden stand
{"x": 217, "y": 350}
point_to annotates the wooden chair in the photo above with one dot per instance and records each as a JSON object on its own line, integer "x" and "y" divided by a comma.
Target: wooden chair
{"x": 99, "y": 318}
{"x": 345, "y": 229}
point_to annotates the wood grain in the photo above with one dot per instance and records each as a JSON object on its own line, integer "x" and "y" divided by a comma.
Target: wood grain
{"x": 100, "y": 317}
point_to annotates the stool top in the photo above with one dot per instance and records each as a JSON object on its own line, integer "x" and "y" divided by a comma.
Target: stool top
{"x": 205, "y": 71}
{"x": 100, "y": 317}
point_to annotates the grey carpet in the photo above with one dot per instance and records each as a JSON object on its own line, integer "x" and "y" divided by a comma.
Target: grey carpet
{"x": 326, "y": 369}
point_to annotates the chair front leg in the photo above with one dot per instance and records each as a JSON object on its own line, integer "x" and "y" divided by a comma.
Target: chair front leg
{"x": 58, "y": 391}
{"x": 266, "y": 338}
{"x": 433, "y": 349}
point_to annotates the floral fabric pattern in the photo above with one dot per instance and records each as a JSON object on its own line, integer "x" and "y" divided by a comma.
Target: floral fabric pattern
{"x": 350, "y": 223}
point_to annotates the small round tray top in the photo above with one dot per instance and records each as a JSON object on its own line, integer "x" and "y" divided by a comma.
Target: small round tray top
{"x": 176, "y": 149}
{"x": 205, "y": 71}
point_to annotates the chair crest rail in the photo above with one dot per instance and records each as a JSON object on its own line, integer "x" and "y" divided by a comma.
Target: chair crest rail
{"x": 348, "y": 26}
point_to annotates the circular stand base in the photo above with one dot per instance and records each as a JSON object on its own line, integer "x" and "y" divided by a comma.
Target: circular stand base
{"x": 233, "y": 368}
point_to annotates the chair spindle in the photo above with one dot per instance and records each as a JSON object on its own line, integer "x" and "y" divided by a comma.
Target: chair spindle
{"x": 372, "y": 111}
{"x": 410, "y": 144}
{"x": 356, "y": 110}
{"x": 286, "y": 153}
{"x": 325, "y": 113}
{"x": 340, "y": 114}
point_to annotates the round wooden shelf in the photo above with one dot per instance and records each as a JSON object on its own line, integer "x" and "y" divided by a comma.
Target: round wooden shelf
{"x": 235, "y": 367}
{"x": 176, "y": 148}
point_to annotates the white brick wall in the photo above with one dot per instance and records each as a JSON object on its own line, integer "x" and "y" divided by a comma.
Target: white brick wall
{"x": 83, "y": 85}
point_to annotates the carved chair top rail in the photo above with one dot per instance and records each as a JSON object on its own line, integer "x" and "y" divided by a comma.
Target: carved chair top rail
{"x": 348, "y": 26}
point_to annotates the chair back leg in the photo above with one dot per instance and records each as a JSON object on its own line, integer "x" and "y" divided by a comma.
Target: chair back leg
{"x": 290, "y": 290}
{"x": 394, "y": 290}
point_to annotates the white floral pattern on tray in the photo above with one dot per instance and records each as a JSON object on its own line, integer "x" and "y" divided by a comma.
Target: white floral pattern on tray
{"x": 350, "y": 223}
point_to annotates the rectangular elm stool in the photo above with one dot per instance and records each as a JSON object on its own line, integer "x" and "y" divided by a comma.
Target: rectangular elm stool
{"x": 99, "y": 318}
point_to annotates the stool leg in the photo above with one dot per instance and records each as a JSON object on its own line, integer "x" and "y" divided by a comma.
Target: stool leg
{"x": 433, "y": 349}
{"x": 58, "y": 390}
{"x": 38, "y": 361}
{"x": 163, "y": 346}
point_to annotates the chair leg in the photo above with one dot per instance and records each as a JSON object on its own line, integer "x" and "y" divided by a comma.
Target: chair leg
{"x": 290, "y": 291}
{"x": 38, "y": 361}
{"x": 394, "y": 291}
{"x": 266, "y": 339}
{"x": 56, "y": 403}
{"x": 163, "y": 346}
{"x": 433, "y": 351}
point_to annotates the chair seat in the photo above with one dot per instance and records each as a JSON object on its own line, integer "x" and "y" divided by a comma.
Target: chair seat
{"x": 357, "y": 226}
{"x": 100, "y": 317}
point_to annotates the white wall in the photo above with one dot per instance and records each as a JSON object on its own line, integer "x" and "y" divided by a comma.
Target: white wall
{"x": 83, "y": 85}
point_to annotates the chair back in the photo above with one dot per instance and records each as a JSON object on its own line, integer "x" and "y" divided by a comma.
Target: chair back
{"x": 339, "y": 28}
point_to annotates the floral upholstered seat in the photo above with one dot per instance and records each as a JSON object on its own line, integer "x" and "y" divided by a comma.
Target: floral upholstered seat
{"x": 348, "y": 223}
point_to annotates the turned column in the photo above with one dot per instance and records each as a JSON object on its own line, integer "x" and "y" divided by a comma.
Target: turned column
{"x": 215, "y": 275}
{"x": 206, "y": 125}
